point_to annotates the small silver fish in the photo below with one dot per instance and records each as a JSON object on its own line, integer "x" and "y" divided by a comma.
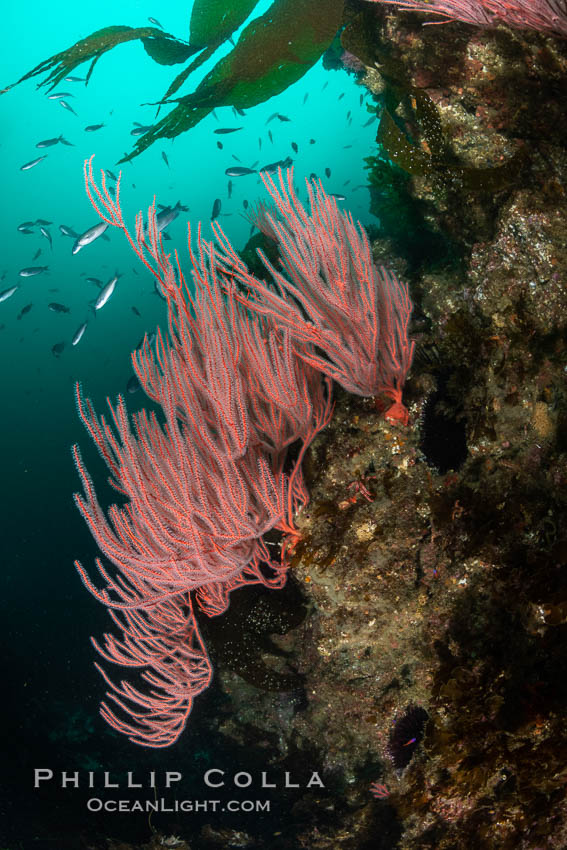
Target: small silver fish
{"x": 92, "y": 127}
{"x": 8, "y": 293}
{"x": 237, "y": 171}
{"x": 140, "y": 129}
{"x": 45, "y": 233}
{"x": 155, "y": 22}
{"x": 281, "y": 163}
{"x": 67, "y": 106}
{"x": 47, "y": 143}
{"x": 68, "y": 231}
{"x": 216, "y": 208}
{"x": 167, "y": 215}
{"x": 55, "y": 307}
{"x": 89, "y": 236}
{"x": 105, "y": 293}
{"x": 78, "y": 335}
{"x": 31, "y": 271}
{"x": 33, "y": 163}
{"x": 75, "y": 79}
{"x": 133, "y": 384}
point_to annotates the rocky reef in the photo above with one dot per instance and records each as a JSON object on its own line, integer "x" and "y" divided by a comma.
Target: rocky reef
{"x": 433, "y": 557}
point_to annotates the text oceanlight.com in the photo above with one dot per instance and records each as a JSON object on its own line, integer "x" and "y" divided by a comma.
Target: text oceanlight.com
{"x": 95, "y": 804}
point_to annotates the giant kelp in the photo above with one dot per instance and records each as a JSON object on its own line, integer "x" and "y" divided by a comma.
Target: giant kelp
{"x": 212, "y": 23}
{"x": 161, "y": 46}
{"x": 272, "y": 53}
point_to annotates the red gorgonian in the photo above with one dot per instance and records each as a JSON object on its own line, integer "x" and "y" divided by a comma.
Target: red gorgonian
{"x": 241, "y": 375}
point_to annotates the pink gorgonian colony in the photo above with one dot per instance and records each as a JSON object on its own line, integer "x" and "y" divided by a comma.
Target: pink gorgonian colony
{"x": 244, "y": 372}
{"x": 548, "y": 16}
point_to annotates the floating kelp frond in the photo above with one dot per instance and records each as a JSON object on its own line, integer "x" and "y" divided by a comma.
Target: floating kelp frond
{"x": 216, "y": 20}
{"x": 212, "y": 23}
{"x": 167, "y": 50}
{"x": 95, "y": 45}
{"x": 273, "y": 52}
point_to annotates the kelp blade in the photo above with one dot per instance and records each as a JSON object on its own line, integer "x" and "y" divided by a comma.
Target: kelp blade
{"x": 273, "y": 52}
{"x": 213, "y": 21}
{"x": 92, "y": 48}
{"x": 167, "y": 50}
